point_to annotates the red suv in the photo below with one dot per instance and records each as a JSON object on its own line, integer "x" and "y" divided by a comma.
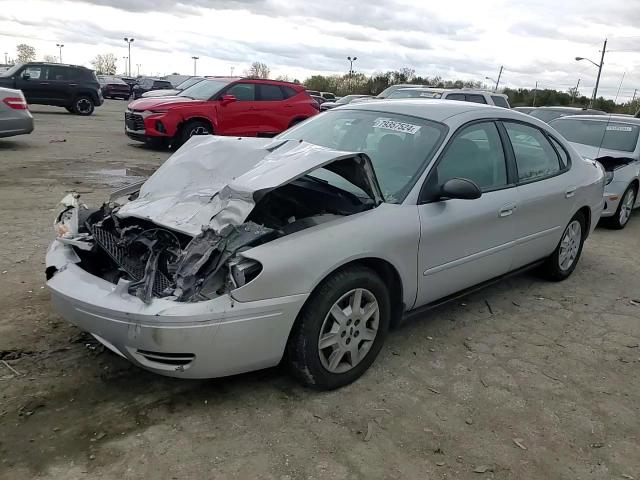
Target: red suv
{"x": 222, "y": 106}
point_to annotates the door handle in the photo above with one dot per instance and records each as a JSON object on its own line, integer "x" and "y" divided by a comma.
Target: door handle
{"x": 571, "y": 191}
{"x": 506, "y": 210}
{"x": 45, "y": 83}
{"x": 73, "y": 84}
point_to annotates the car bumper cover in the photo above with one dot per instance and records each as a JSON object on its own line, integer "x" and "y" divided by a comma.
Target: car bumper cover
{"x": 207, "y": 339}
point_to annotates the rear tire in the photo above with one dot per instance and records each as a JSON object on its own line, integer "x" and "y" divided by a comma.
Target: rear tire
{"x": 352, "y": 337}
{"x": 83, "y": 105}
{"x": 562, "y": 262}
{"x": 620, "y": 219}
{"x": 190, "y": 129}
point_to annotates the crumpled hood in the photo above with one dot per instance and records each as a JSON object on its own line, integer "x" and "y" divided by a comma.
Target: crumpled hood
{"x": 216, "y": 181}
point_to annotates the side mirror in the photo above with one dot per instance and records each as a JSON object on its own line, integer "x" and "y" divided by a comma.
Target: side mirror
{"x": 26, "y": 76}
{"x": 461, "y": 188}
{"x": 227, "y": 99}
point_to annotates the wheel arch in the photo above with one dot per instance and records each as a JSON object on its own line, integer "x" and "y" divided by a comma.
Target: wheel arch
{"x": 197, "y": 118}
{"x": 389, "y": 275}
{"x": 85, "y": 93}
{"x": 586, "y": 211}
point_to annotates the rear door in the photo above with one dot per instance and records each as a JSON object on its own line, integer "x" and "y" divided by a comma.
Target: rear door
{"x": 545, "y": 191}
{"x": 59, "y": 80}
{"x": 466, "y": 242}
{"x": 240, "y": 117}
{"x": 275, "y": 112}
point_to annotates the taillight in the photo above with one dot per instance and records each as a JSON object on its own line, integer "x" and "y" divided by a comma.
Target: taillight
{"x": 16, "y": 103}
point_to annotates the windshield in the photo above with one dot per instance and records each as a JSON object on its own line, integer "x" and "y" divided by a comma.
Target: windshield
{"x": 598, "y": 133}
{"x": 11, "y": 71}
{"x": 188, "y": 82}
{"x": 204, "y": 90}
{"x": 399, "y": 146}
{"x": 407, "y": 93}
{"x": 548, "y": 115}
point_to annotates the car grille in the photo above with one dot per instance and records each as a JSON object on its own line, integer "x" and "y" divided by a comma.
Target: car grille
{"x": 119, "y": 254}
{"x": 133, "y": 121}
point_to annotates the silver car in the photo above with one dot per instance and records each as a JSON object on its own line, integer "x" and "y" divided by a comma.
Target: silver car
{"x": 314, "y": 243}
{"x": 15, "y": 118}
{"x": 613, "y": 141}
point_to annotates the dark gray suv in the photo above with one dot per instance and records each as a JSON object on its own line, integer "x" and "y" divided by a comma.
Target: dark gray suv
{"x": 73, "y": 87}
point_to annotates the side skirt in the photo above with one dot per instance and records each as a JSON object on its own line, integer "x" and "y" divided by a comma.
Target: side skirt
{"x": 416, "y": 312}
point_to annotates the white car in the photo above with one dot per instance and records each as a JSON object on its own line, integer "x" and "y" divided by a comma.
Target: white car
{"x": 612, "y": 140}
{"x": 460, "y": 94}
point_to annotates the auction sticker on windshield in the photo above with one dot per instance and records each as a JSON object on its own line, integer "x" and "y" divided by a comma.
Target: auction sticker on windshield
{"x": 388, "y": 124}
{"x": 617, "y": 128}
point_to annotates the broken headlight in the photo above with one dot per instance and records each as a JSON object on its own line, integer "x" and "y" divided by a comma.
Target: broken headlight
{"x": 608, "y": 177}
{"x": 242, "y": 271}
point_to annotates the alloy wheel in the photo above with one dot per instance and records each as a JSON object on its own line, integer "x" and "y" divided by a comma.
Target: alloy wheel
{"x": 348, "y": 331}
{"x": 84, "y": 105}
{"x": 626, "y": 206}
{"x": 570, "y": 245}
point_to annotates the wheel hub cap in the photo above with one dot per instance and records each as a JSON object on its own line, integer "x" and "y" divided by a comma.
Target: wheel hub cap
{"x": 570, "y": 245}
{"x": 348, "y": 331}
{"x": 626, "y": 207}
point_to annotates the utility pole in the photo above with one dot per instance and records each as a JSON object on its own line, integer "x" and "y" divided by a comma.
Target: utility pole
{"x": 535, "y": 91}
{"x": 195, "y": 59}
{"x": 575, "y": 91}
{"x": 595, "y": 90}
{"x": 138, "y": 65}
{"x": 5, "y": 58}
{"x": 498, "y": 81}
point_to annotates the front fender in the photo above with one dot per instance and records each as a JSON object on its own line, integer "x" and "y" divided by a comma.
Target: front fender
{"x": 297, "y": 263}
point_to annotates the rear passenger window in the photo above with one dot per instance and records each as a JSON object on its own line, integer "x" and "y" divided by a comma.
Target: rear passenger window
{"x": 288, "y": 92}
{"x": 455, "y": 96}
{"x": 535, "y": 157}
{"x": 58, "y": 73}
{"x": 564, "y": 157}
{"x": 500, "y": 101}
{"x": 270, "y": 93}
{"x": 475, "y": 98}
{"x": 476, "y": 154}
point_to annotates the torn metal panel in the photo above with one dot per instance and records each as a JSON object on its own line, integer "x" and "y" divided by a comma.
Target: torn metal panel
{"x": 225, "y": 176}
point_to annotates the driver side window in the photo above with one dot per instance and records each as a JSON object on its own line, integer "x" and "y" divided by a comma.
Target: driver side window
{"x": 35, "y": 73}
{"x": 476, "y": 154}
{"x": 244, "y": 92}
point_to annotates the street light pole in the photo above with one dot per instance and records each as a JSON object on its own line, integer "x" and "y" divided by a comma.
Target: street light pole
{"x": 5, "y": 58}
{"x": 599, "y": 65}
{"x": 129, "y": 42}
{"x": 60, "y": 45}
{"x": 195, "y": 59}
{"x": 138, "y": 65}
{"x": 351, "y": 60}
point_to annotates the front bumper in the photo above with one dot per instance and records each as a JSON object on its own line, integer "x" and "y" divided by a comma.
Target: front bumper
{"x": 612, "y": 195}
{"x": 207, "y": 339}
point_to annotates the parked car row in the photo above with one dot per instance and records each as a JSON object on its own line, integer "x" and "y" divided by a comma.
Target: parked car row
{"x": 240, "y": 252}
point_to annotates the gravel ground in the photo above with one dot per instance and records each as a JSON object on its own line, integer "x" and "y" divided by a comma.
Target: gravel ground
{"x": 524, "y": 380}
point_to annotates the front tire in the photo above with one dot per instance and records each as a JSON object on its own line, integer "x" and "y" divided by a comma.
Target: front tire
{"x": 620, "y": 219}
{"x": 562, "y": 262}
{"x": 83, "y": 105}
{"x": 340, "y": 330}
{"x": 190, "y": 129}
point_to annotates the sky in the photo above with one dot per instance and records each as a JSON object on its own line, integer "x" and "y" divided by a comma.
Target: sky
{"x": 535, "y": 40}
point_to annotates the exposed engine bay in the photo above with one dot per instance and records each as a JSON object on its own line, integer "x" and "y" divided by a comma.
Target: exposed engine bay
{"x": 155, "y": 261}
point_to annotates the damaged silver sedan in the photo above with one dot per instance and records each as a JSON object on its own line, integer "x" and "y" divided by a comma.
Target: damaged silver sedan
{"x": 239, "y": 252}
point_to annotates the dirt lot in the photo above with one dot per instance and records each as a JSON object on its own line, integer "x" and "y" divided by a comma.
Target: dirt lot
{"x": 524, "y": 380}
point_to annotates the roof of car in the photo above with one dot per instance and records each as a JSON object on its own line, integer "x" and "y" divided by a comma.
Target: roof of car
{"x": 603, "y": 118}
{"x": 560, "y": 108}
{"x": 54, "y": 64}
{"x": 437, "y": 110}
{"x": 448, "y": 90}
